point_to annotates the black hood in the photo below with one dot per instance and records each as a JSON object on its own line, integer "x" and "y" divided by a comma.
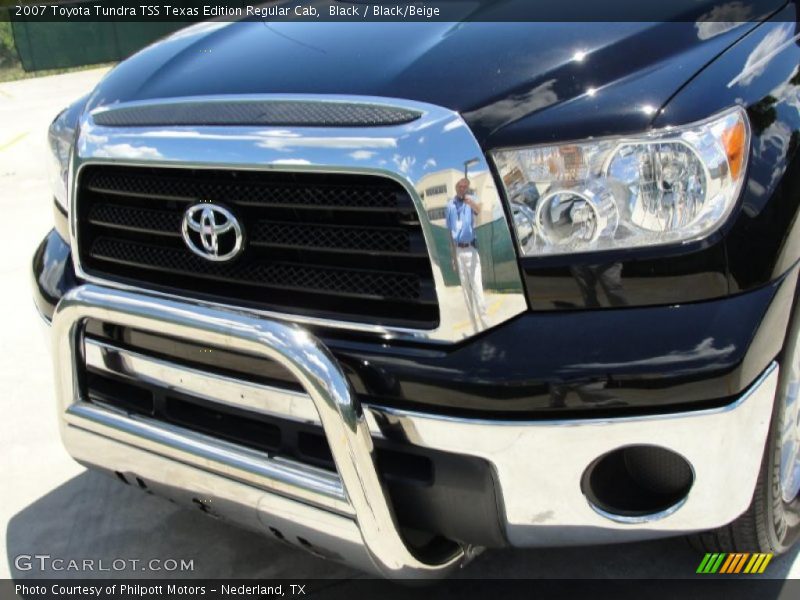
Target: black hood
{"x": 494, "y": 73}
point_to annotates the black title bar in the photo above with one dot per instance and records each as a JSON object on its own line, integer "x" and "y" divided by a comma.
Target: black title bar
{"x": 391, "y": 11}
{"x": 700, "y": 587}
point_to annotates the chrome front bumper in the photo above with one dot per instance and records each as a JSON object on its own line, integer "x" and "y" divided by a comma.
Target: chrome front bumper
{"x": 538, "y": 465}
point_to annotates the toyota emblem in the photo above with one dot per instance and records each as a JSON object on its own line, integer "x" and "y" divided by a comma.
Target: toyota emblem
{"x": 212, "y": 231}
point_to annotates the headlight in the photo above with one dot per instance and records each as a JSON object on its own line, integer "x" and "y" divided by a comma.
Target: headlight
{"x": 669, "y": 186}
{"x": 60, "y": 138}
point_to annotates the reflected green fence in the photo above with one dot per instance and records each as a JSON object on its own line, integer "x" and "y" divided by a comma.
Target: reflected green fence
{"x": 504, "y": 276}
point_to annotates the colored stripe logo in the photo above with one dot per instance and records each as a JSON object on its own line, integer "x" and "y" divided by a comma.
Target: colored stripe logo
{"x": 734, "y": 563}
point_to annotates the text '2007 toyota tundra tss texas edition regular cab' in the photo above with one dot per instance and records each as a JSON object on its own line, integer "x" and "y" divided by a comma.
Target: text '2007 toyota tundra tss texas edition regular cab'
{"x": 395, "y": 293}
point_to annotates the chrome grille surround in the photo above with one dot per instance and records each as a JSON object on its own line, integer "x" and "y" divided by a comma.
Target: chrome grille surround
{"x": 420, "y": 155}
{"x": 299, "y": 235}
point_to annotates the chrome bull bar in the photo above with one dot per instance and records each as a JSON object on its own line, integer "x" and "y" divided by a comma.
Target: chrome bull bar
{"x": 356, "y": 493}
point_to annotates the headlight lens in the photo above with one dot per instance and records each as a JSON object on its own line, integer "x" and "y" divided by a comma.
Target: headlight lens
{"x": 60, "y": 138}
{"x": 669, "y": 186}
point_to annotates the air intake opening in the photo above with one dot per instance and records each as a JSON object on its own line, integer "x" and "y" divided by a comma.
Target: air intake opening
{"x": 637, "y": 482}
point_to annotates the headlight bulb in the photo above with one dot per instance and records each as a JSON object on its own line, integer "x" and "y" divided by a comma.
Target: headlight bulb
{"x": 573, "y": 217}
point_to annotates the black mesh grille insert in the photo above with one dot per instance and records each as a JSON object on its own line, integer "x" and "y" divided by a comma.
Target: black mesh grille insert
{"x": 258, "y": 112}
{"x": 288, "y": 276}
{"x": 347, "y": 247}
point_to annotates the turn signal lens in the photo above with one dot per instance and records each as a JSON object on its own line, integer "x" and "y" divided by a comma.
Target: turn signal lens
{"x": 735, "y": 141}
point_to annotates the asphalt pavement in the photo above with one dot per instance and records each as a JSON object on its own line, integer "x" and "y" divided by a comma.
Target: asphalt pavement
{"x": 53, "y": 506}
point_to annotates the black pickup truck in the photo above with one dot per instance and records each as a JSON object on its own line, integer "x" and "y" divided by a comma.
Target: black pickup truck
{"x": 395, "y": 293}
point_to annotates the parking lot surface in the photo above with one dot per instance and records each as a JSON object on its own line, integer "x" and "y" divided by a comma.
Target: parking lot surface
{"x": 53, "y": 506}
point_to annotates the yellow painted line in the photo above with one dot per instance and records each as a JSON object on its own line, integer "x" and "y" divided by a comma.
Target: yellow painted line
{"x": 14, "y": 140}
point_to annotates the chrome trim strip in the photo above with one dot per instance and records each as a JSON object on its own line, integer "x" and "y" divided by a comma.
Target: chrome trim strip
{"x": 236, "y": 393}
{"x": 423, "y": 155}
{"x": 303, "y": 356}
{"x": 657, "y": 516}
